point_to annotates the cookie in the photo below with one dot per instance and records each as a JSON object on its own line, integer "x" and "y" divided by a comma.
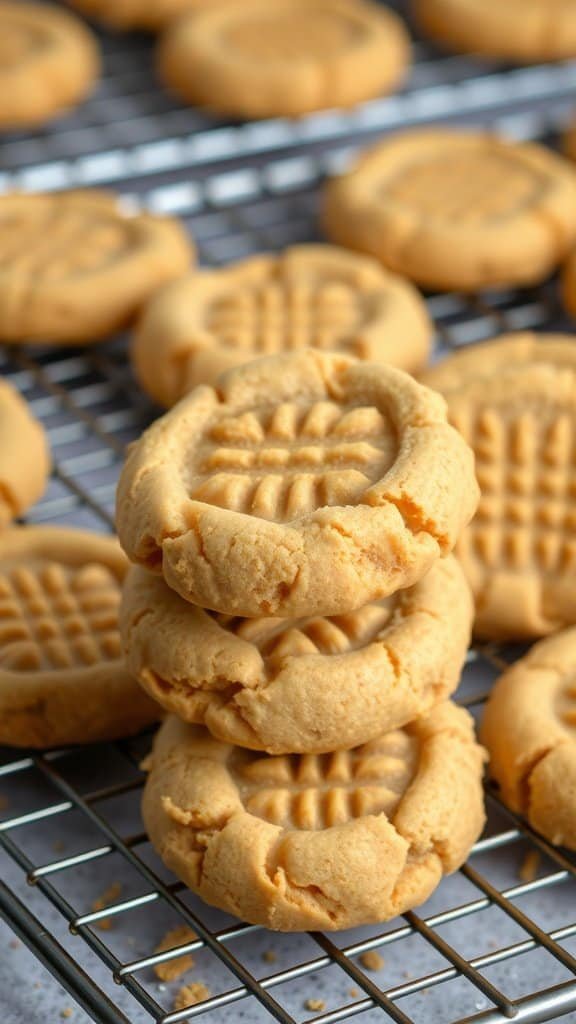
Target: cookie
{"x": 24, "y": 455}
{"x": 490, "y": 357}
{"x": 310, "y": 296}
{"x": 134, "y": 14}
{"x": 569, "y": 140}
{"x": 519, "y": 552}
{"x": 569, "y": 284}
{"x": 523, "y": 31}
{"x": 76, "y": 266}
{"x": 303, "y": 484}
{"x": 62, "y": 675}
{"x": 49, "y": 61}
{"x": 529, "y": 728}
{"x": 257, "y": 59}
{"x": 317, "y": 842}
{"x": 300, "y": 685}
{"x": 455, "y": 209}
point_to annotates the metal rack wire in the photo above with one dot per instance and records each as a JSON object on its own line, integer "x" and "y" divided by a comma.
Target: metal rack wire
{"x": 71, "y": 822}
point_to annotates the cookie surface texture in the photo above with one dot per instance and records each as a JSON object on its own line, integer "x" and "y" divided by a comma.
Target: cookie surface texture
{"x": 311, "y": 296}
{"x": 304, "y": 484}
{"x": 455, "y": 209}
{"x": 306, "y": 842}
{"x": 24, "y": 455}
{"x": 518, "y": 30}
{"x": 529, "y": 728}
{"x": 134, "y": 14}
{"x": 49, "y": 62}
{"x": 76, "y": 266}
{"x": 62, "y": 675}
{"x": 519, "y": 552}
{"x": 257, "y": 59}
{"x": 488, "y": 358}
{"x": 300, "y": 685}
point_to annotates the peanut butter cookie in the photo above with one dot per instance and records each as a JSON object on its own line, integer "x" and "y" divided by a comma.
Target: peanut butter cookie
{"x": 519, "y": 552}
{"x": 317, "y": 842}
{"x": 310, "y": 296}
{"x": 490, "y": 357}
{"x": 300, "y": 685}
{"x": 49, "y": 61}
{"x": 24, "y": 455}
{"x": 75, "y": 266}
{"x": 257, "y": 59}
{"x": 62, "y": 676}
{"x": 456, "y": 209}
{"x": 303, "y": 484}
{"x": 529, "y": 728}
{"x": 523, "y": 31}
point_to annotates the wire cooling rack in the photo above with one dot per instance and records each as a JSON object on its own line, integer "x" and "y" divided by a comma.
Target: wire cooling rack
{"x": 497, "y": 940}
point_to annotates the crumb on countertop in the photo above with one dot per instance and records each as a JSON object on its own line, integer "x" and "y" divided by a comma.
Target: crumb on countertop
{"x": 4, "y": 802}
{"x": 314, "y": 1004}
{"x": 58, "y": 846}
{"x": 269, "y": 956}
{"x": 189, "y": 995}
{"x": 353, "y": 993}
{"x": 14, "y": 943}
{"x": 372, "y": 960}
{"x": 528, "y": 870}
{"x": 171, "y": 970}
{"x": 66, "y": 1013}
{"x": 110, "y": 895}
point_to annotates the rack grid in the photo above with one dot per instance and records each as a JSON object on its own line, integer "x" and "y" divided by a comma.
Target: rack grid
{"x": 71, "y": 822}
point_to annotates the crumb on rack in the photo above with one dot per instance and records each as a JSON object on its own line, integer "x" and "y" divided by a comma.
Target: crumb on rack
{"x": 528, "y": 870}
{"x": 314, "y": 1004}
{"x": 110, "y": 895}
{"x": 269, "y": 956}
{"x": 66, "y": 1013}
{"x": 189, "y": 995}
{"x": 372, "y": 960}
{"x": 171, "y": 970}
{"x": 353, "y": 993}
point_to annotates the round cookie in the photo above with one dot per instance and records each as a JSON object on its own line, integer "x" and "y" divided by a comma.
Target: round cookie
{"x": 24, "y": 455}
{"x": 309, "y": 296}
{"x": 302, "y": 484}
{"x": 519, "y": 552}
{"x": 256, "y": 59}
{"x": 455, "y": 209}
{"x": 523, "y": 31}
{"x": 62, "y": 676}
{"x": 490, "y": 357}
{"x": 76, "y": 266}
{"x": 317, "y": 842}
{"x": 529, "y": 728}
{"x": 150, "y": 15}
{"x": 49, "y": 61}
{"x": 300, "y": 685}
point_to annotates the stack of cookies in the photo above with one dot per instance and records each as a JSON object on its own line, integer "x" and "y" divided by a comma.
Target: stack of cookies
{"x": 295, "y": 605}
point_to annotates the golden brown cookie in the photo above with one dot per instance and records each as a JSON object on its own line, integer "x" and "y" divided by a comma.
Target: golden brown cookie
{"x": 24, "y": 455}
{"x": 76, "y": 266}
{"x": 150, "y": 15}
{"x": 519, "y": 552}
{"x": 309, "y": 296}
{"x": 317, "y": 842}
{"x": 257, "y": 59}
{"x": 570, "y": 140}
{"x": 569, "y": 283}
{"x": 456, "y": 209}
{"x": 490, "y": 357}
{"x": 62, "y": 675}
{"x": 49, "y": 61}
{"x": 302, "y": 484}
{"x": 529, "y": 728}
{"x": 523, "y": 31}
{"x": 300, "y": 685}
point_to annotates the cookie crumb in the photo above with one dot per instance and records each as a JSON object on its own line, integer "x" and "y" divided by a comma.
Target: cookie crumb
{"x": 66, "y": 1013}
{"x": 110, "y": 895}
{"x": 15, "y": 943}
{"x": 314, "y": 1004}
{"x": 353, "y": 993}
{"x": 189, "y": 995}
{"x": 528, "y": 870}
{"x": 4, "y": 802}
{"x": 406, "y": 975}
{"x": 37, "y": 984}
{"x": 372, "y": 960}
{"x": 269, "y": 956}
{"x": 58, "y": 846}
{"x": 171, "y": 970}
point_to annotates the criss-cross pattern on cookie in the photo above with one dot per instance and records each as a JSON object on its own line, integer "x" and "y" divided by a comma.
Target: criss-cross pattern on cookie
{"x": 468, "y": 188}
{"x": 56, "y": 617}
{"x": 280, "y": 316}
{"x": 526, "y": 468}
{"x": 282, "y": 462}
{"x": 314, "y": 791}
{"x": 279, "y": 639}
